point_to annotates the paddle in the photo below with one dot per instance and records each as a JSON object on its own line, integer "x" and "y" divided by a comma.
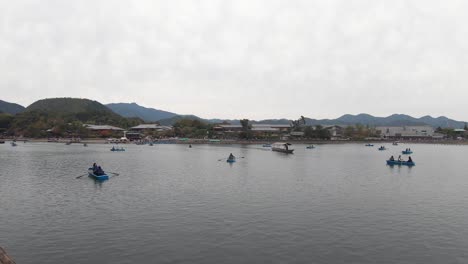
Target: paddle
{"x": 227, "y": 158}
{"x": 81, "y": 176}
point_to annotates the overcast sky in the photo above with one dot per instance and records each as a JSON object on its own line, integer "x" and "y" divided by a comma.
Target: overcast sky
{"x": 236, "y": 59}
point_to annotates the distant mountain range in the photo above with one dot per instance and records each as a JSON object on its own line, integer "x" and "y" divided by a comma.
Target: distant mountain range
{"x": 392, "y": 120}
{"x": 10, "y": 108}
{"x": 129, "y": 110}
{"x": 134, "y": 110}
{"x": 168, "y": 118}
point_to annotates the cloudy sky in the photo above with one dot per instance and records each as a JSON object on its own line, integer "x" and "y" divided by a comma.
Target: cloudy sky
{"x": 243, "y": 58}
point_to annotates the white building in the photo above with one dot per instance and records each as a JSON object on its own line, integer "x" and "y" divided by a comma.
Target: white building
{"x": 405, "y": 131}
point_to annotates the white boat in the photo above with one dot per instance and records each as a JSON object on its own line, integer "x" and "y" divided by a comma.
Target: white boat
{"x": 282, "y": 147}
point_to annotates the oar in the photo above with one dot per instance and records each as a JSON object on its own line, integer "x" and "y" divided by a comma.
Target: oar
{"x": 226, "y": 158}
{"x": 81, "y": 176}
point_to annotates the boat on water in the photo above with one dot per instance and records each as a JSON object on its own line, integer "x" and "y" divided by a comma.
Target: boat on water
{"x": 369, "y": 145}
{"x": 400, "y": 163}
{"x": 68, "y": 143}
{"x": 395, "y": 143}
{"x": 85, "y": 145}
{"x": 382, "y": 148}
{"x": 2, "y": 141}
{"x": 266, "y": 145}
{"x": 310, "y": 147}
{"x": 282, "y": 147}
{"x": 407, "y": 152}
{"x": 13, "y": 144}
{"x": 231, "y": 160}
{"x": 102, "y": 177}
{"x": 117, "y": 149}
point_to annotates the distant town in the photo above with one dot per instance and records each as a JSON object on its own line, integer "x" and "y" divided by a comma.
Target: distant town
{"x": 71, "y": 119}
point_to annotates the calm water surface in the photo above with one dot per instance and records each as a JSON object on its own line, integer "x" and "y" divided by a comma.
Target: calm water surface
{"x": 172, "y": 204}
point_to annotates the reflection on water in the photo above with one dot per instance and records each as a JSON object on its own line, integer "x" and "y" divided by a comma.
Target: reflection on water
{"x": 171, "y": 204}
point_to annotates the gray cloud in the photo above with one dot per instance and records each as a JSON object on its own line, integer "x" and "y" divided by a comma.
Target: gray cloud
{"x": 256, "y": 59}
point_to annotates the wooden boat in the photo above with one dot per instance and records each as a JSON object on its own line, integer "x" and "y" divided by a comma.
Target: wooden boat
{"x": 97, "y": 177}
{"x": 399, "y": 163}
{"x": 282, "y": 147}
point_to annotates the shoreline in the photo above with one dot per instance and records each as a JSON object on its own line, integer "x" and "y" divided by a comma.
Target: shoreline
{"x": 247, "y": 142}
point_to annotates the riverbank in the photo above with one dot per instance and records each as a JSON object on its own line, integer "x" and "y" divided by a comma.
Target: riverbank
{"x": 247, "y": 142}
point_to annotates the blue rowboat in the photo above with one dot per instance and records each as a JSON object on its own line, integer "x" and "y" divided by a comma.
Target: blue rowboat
{"x": 399, "y": 163}
{"x": 97, "y": 177}
{"x": 117, "y": 149}
{"x": 407, "y": 152}
{"x": 231, "y": 160}
{"x": 382, "y": 148}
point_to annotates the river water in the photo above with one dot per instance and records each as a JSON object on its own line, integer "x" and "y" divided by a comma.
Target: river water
{"x": 174, "y": 204}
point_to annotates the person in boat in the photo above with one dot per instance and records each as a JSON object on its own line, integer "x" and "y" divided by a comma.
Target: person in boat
{"x": 190, "y": 146}
{"x": 399, "y": 157}
{"x": 94, "y": 167}
{"x": 99, "y": 171}
{"x": 410, "y": 159}
{"x": 231, "y": 157}
{"x": 392, "y": 158}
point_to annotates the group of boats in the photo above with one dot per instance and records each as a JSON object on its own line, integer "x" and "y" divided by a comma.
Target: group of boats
{"x": 399, "y": 161}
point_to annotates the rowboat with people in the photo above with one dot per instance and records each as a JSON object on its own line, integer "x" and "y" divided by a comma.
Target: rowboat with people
{"x": 117, "y": 149}
{"x": 97, "y": 173}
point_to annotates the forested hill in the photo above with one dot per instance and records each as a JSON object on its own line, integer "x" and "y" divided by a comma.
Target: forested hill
{"x": 65, "y": 114}
{"x": 135, "y": 110}
{"x": 68, "y": 106}
{"x": 10, "y": 108}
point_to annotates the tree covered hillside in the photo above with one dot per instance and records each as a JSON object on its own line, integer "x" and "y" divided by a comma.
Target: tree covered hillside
{"x": 65, "y": 116}
{"x": 10, "y": 108}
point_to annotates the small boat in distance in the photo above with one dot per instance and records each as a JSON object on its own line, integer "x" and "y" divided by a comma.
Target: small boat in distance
{"x": 407, "y": 151}
{"x": 267, "y": 145}
{"x": 117, "y": 149}
{"x": 369, "y": 145}
{"x": 310, "y": 147}
{"x": 282, "y": 147}
{"x": 399, "y": 163}
{"x": 395, "y": 143}
{"x": 382, "y": 148}
{"x": 13, "y": 144}
{"x": 231, "y": 158}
